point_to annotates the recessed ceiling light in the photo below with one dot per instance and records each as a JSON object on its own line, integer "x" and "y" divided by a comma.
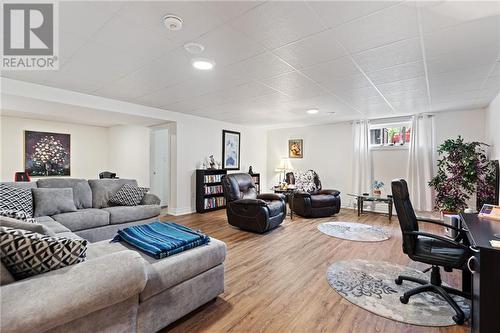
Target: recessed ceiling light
{"x": 312, "y": 111}
{"x": 194, "y": 48}
{"x": 172, "y": 22}
{"x": 203, "y": 64}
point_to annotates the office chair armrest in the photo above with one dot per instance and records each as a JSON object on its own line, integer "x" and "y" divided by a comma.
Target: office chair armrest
{"x": 441, "y": 238}
{"x": 421, "y": 219}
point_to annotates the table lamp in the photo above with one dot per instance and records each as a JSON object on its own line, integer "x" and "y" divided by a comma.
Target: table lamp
{"x": 284, "y": 166}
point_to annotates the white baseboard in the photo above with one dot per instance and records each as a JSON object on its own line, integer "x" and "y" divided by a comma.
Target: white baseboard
{"x": 180, "y": 211}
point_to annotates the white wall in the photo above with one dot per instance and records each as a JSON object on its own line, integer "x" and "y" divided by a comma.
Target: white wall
{"x": 129, "y": 152}
{"x": 492, "y": 132}
{"x": 89, "y": 146}
{"x": 328, "y": 150}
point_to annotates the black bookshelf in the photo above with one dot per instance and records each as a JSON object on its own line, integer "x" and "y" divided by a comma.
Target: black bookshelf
{"x": 209, "y": 193}
{"x": 256, "y": 180}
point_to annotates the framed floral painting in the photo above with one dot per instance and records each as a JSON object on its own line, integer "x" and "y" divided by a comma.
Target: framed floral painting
{"x": 47, "y": 154}
{"x": 230, "y": 150}
{"x": 295, "y": 148}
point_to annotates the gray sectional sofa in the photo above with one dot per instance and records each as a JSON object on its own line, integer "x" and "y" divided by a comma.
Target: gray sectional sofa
{"x": 118, "y": 288}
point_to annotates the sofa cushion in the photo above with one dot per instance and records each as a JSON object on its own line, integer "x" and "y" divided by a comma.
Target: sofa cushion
{"x": 103, "y": 189}
{"x": 51, "y": 224}
{"x": 128, "y": 195}
{"x": 82, "y": 194}
{"x": 34, "y": 227}
{"x": 5, "y": 276}
{"x": 16, "y": 198}
{"x": 168, "y": 272}
{"x": 50, "y": 201}
{"x": 322, "y": 200}
{"x": 69, "y": 234}
{"x": 122, "y": 214}
{"x": 83, "y": 219}
{"x": 26, "y": 253}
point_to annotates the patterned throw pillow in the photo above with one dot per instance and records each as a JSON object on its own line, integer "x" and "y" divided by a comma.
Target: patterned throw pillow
{"x": 304, "y": 181}
{"x": 18, "y": 215}
{"x": 128, "y": 195}
{"x": 16, "y": 198}
{"x": 27, "y": 253}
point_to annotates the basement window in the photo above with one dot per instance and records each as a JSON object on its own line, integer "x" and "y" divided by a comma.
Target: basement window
{"x": 390, "y": 135}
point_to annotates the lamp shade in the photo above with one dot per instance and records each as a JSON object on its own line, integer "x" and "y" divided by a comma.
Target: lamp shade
{"x": 284, "y": 165}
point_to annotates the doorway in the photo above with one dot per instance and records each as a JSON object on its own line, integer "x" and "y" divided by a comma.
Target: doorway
{"x": 160, "y": 164}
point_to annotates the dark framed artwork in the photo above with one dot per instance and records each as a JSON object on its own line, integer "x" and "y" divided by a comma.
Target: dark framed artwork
{"x": 47, "y": 154}
{"x": 295, "y": 148}
{"x": 231, "y": 150}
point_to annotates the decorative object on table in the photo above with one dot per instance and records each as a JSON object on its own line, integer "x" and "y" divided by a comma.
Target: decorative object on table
{"x": 309, "y": 198}
{"x": 463, "y": 170}
{"x": 295, "y": 148}
{"x": 361, "y": 198}
{"x": 161, "y": 239}
{"x": 211, "y": 163}
{"x": 284, "y": 167}
{"x": 27, "y": 253}
{"x": 354, "y": 231}
{"x": 377, "y": 187}
{"x": 250, "y": 171}
{"x": 230, "y": 150}
{"x": 16, "y": 198}
{"x": 371, "y": 286}
{"x": 22, "y": 176}
{"x": 47, "y": 154}
{"x": 256, "y": 181}
{"x": 209, "y": 193}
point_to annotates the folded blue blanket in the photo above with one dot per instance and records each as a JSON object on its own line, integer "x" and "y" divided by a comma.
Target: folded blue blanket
{"x": 161, "y": 239}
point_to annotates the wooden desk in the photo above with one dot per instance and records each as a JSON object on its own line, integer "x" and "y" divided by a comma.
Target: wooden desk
{"x": 485, "y": 268}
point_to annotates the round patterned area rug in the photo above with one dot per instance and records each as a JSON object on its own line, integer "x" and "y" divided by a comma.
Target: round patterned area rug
{"x": 354, "y": 231}
{"x": 370, "y": 285}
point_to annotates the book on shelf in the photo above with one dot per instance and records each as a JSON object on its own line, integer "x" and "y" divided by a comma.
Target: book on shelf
{"x": 214, "y": 202}
{"x": 214, "y": 189}
{"x": 213, "y": 178}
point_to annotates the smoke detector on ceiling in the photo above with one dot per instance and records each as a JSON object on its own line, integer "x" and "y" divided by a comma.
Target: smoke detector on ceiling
{"x": 172, "y": 22}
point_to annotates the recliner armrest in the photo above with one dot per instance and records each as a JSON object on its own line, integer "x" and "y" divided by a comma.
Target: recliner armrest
{"x": 329, "y": 192}
{"x": 271, "y": 196}
{"x": 301, "y": 194}
{"x": 255, "y": 202}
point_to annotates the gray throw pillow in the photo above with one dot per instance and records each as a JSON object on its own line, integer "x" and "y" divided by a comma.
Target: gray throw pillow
{"x": 52, "y": 201}
{"x": 34, "y": 227}
{"x": 27, "y": 253}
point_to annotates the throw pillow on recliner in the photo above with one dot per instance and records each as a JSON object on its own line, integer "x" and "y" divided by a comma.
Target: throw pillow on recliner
{"x": 128, "y": 195}
{"x": 304, "y": 181}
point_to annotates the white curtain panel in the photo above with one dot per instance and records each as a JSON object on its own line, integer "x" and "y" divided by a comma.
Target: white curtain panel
{"x": 421, "y": 162}
{"x": 362, "y": 162}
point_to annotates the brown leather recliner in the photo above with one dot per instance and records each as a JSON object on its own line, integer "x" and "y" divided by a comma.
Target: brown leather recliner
{"x": 248, "y": 210}
{"x": 316, "y": 203}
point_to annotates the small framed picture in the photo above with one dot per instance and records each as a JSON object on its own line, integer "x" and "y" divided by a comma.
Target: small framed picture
{"x": 295, "y": 148}
{"x": 230, "y": 150}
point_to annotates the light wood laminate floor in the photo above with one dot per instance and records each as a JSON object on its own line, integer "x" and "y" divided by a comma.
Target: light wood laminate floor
{"x": 276, "y": 282}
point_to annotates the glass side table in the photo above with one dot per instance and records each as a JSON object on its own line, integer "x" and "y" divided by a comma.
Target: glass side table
{"x": 372, "y": 198}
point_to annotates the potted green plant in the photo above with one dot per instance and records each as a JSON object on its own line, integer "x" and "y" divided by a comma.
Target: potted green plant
{"x": 377, "y": 187}
{"x": 462, "y": 170}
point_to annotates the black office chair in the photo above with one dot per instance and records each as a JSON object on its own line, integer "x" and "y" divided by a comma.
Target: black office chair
{"x": 107, "y": 174}
{"x": 430, "y": 249}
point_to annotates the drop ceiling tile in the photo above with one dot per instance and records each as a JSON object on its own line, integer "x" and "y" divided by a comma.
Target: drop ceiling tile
{"x": 389, "y": 55}
{"x": 464, "y": 75}
{"x": 449, "y": 13}
{"x": 228, "y": 10}
{"x": 335, "y": 13}
{"x": 397, "y": 73}
{"x": 226, "y": 45}
{"x": 198, "y": 17}
{"x": 487, "y": 95}
{"x": 459, "y": 104}
{"x": 346, "y": 82}
{"x": 259, "y": 67}
{"x": 84, "y": 18}
{"x": 327, "y": 71}
{"x": 294, "y": 85}
{"x": 147, "y": 42}
{"x": 418, "y": 83}
{"x": 399, "y": 97}
{"x": 305, "y": 52}
{"x": 453, "y": 96}
{"x": 492, "y": 82}
{"x": 360, "y": 96}
{"x": 412, "y": 106}
{"x": 277, "y": 23}
{"x": 477, "y": 34}
{"x": 384, "y": 27}
{"x": 455, "y": 87}
{"x": 459, "y": 60}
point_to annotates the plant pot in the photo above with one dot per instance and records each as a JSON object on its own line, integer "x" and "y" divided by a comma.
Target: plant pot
{"x": 447, "y": 212}
{"x": 377, "y": 192}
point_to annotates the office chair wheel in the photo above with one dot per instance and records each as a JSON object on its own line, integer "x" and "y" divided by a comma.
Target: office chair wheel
{"x": 459, "y": 319}
{"x": 404, "y": 299}
{"x": 398, "y": 281}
